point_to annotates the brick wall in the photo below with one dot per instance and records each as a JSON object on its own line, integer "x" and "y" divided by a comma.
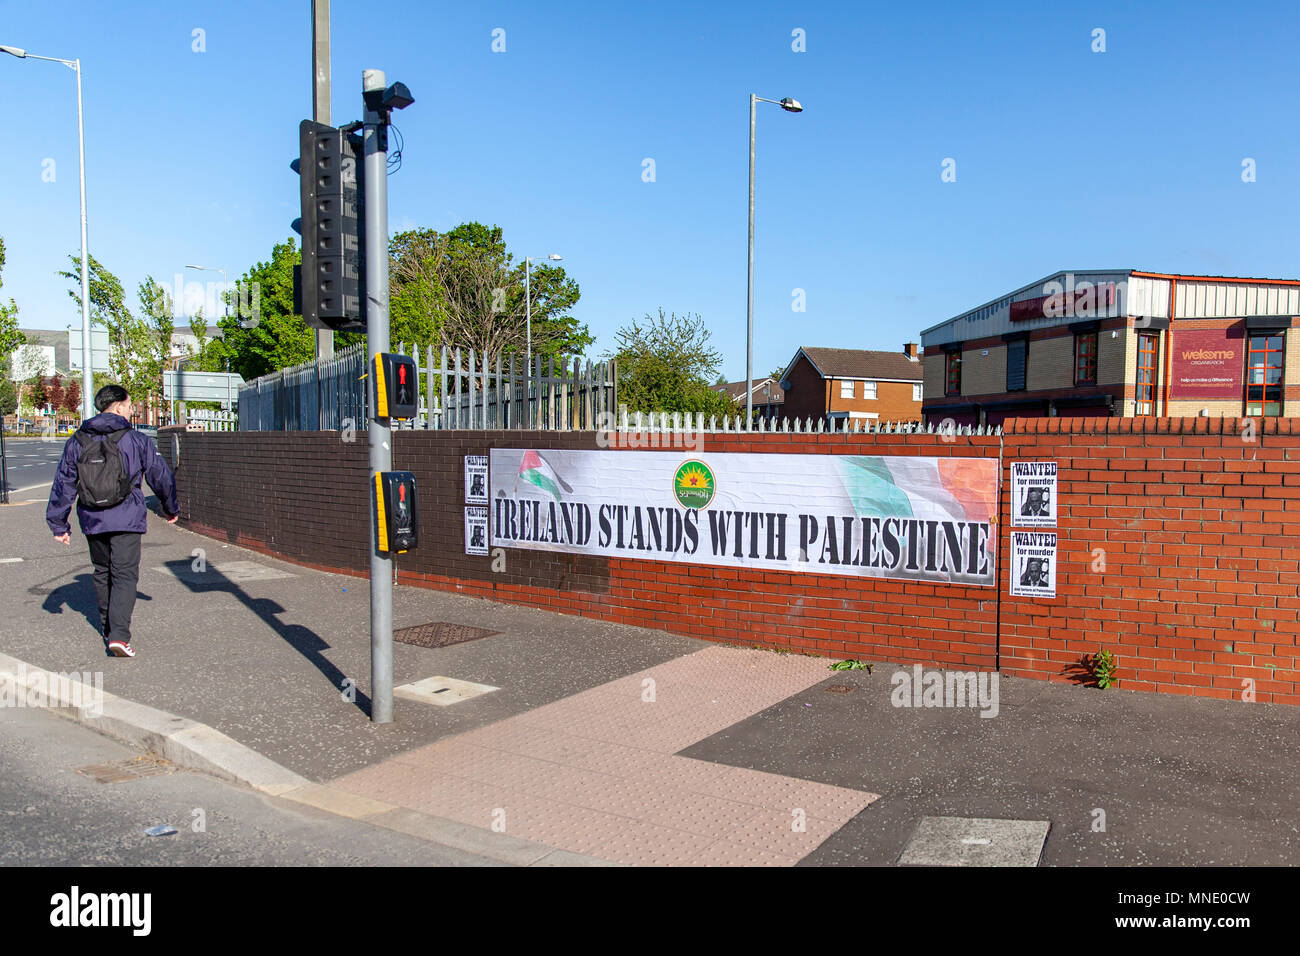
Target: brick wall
{"x": 1197, "y": 529}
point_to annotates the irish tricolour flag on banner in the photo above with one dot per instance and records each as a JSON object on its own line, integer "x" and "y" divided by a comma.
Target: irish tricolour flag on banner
{"x": 534, "y": 470}
{"x": 942, "y": 489}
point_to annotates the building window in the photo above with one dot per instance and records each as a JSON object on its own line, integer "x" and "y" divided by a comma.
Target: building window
{"x": 1146, "y": 373}
{"x": 846, "y": 388}
{"x": 1264, "y": 374}
{"x": 1085, "y": 358}
{"x": 868, "y": 389}
{"x": 1017, "y": 364}
{"x": 952, "y": 373}
{"x": 916, "y": 393}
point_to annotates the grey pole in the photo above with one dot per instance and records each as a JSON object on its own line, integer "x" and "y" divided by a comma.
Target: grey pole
{"x": 381, "y": 436}
{"x": 320, "y": 112}
{"x": 528, "y": 310}
{"x": 87, "y": 373}
{"x": 749, "y": 295}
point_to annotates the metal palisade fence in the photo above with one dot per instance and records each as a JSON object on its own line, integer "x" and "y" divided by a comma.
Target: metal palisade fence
{"x": 459, "y": 390}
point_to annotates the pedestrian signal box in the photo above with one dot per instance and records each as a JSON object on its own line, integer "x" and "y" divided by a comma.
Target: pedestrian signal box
{"x": 396, "y": 521}
{"x": 397, "y": 390}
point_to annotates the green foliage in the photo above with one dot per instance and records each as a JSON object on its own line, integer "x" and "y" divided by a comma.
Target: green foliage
{"x": 10, "y": 335}
{"x": 463, "y": 288}
{"x": 8, "y": 396}
{"x": 130, "y": 345}
{"x": 160, "y": 323}
{"x": 1104, "y": 668}
{"x": 280, "y": 338}
{"x": 851, "y": 665}
{"x": 665, "y": 364}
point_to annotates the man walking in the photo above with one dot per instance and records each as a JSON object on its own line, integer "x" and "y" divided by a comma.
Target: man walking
{"x": 102, "y": 465}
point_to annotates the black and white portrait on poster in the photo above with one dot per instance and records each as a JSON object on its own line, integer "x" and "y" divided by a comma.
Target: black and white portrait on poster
{"x": 476, "y": 479}
{"x": 1033, "y": 564}
{"x": 476, "y": 530}
{"x": 1033, "y": 494}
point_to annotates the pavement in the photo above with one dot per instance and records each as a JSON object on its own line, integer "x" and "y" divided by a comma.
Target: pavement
{"x": 602, "y": 743}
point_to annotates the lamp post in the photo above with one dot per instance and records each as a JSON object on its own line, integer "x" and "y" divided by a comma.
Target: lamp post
{"x": 790, "y": 106}
{"x": 87, "y": 375}
{"x": 225, "y": 310}
{"x": 528, "y": 301}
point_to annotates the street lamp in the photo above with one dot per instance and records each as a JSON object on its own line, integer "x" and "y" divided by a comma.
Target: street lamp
{"x": 225, "y": 310}
{"x": 528, "y": 301}
{"x": 790, "y": 106}
{"x": 87, "y": 375}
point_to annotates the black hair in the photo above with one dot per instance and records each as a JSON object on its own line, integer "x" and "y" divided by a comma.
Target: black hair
{"x": 109, "y": 395}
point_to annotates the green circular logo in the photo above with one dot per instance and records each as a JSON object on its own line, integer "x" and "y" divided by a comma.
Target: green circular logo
{"x": 693, "y": 484}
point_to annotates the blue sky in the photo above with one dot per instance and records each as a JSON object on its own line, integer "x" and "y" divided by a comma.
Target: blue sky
{"x": 1065, "y": 158}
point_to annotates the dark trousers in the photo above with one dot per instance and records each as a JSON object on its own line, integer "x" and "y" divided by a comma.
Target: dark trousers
{"x": 116, "y": 557}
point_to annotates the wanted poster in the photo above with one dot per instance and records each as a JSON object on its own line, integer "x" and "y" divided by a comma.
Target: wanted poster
{"x": 1033, "y": 494}
{"x": 1033, "y": 564}
{"x": 476, "y": 530}
{"x": 476, "y": 479}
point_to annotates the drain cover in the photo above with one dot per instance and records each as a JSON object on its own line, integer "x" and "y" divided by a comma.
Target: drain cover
{"x": 839, "y": 688}
{"x": 119, "y": 771}
{"x": 958, "y": 841}
{"x": 441, "y": 634}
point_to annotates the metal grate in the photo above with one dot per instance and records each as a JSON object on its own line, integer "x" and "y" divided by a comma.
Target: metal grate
{"x": 441, "y": 634}
{"x": 132, "y": 768}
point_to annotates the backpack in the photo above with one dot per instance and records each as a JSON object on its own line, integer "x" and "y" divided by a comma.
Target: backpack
{"x": 102, "y": 481}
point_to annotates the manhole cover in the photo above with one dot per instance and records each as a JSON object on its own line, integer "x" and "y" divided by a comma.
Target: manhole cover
{"x": 119, "y": 771}
{"x": 958, "y": 841}
{"x": 839, "y": 689}
{"x": 440, "y": 634}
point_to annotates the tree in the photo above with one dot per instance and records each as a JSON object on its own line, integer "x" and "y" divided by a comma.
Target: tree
{"x": 160, "y": 323}
{"x": 130, "y": 342}
{"x": 280, "y": 338}
{"x": 665, "y": 364}
{"x": 462, "y": 288}
{"x": 37, "y": 392}
{"x": 10, "y": 335}
{"x": 56, "y": 392}
{"x": 72, "y": 397}
{"x": 8, "y": 396}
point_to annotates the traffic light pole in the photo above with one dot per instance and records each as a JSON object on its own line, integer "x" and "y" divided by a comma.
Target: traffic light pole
{"x": 375, "y": 128}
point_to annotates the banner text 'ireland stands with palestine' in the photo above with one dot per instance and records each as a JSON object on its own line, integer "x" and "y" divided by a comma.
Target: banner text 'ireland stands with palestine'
{"x": 925, "y": 519}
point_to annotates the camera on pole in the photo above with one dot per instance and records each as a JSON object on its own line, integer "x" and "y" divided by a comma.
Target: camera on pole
{"x": 329, "y": 286}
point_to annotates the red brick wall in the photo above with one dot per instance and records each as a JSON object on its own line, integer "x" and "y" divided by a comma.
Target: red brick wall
{"x": 1199, "y": 531}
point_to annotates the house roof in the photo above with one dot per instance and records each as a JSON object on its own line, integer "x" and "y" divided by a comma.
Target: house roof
{"x": 736, "y": 390}
{"x": 859, "y": 363}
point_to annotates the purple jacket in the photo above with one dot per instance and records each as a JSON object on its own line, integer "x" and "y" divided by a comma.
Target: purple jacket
{"x": 141, "y": 459}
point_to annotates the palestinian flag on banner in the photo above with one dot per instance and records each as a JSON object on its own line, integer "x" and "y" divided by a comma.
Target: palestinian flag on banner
{"x": 535, "y": 470}
{"x": 961, "y": 489}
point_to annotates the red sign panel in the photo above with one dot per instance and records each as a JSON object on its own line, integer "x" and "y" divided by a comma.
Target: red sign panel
{"x": 1207, "y": 363}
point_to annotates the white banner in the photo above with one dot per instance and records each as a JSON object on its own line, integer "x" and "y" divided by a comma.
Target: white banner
{"x": 900, "y": 516}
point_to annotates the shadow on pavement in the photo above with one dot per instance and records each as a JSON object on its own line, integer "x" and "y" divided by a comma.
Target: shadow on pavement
{"x": 302, "y": 639}
{"x": 77, "y": 595}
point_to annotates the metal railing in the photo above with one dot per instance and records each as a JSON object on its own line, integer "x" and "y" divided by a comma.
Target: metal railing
{"x": 459, "y": 390}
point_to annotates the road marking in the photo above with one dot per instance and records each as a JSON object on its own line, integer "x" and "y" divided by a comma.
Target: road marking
{"x": 10, "y": 560}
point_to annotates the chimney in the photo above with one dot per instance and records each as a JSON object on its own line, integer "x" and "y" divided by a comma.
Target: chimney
{"x": 910, "y": 350}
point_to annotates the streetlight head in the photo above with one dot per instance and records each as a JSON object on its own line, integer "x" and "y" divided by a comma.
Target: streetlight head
{"x": 194, "y": 267}
{"x": 555, "y": 258}
{"x": 14, "y": 51}
{"x": 791, "y": 106}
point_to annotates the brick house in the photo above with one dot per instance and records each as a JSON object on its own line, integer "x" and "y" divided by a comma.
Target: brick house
{"x": 854, "y": 384}
{"x": 1118, "y": 343}
{"x": 767, "y": 392}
